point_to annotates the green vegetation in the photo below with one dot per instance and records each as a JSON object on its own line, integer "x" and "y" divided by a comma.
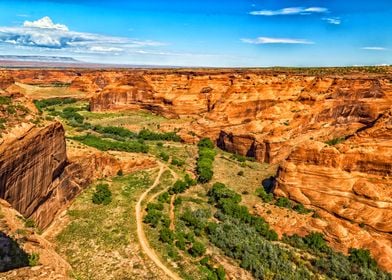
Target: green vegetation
{"x": 335, "y": 141}
{"x": 182, "y": 185}
{"x": 146, "y": 134}
{"x": 34, "y": 259}
{"x": 5, "y": 100}
{"x": 29, "y": 223}
{"x": 246, "y": 238}
{"x": 283, "y": 202}
{"x": 205, "y": 160}
{"x": 45, "y": 103}
{"x": 102, "y": 195}
{"x": 164, "y": 156}
{"x": 2, "y": 123}
{"x": 106, "y": 145}
{"x": 115, "y": 130}
{"x": 266, "y": 197}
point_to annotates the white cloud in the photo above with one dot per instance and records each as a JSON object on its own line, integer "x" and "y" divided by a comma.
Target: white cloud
{"x": 270, "y": 40}
{"x": 45, "y": 23}
{"x": 374, "y": 48}
{"x": 105, "y": 49}
{"x": 290, "y": 11}
{"x": 333, "y": 20}
{"x": 44, "y": 34}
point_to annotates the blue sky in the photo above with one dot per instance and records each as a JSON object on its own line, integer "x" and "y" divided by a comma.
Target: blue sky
{"x": 203, "y": 32}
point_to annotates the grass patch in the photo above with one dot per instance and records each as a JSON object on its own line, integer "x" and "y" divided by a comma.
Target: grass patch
{"x": 100, "y": 241}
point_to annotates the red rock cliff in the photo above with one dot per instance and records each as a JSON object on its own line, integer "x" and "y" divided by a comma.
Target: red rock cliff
{"x": 33, "y": 173}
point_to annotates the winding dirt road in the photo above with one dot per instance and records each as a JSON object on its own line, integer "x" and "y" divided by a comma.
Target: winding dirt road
{"x": 140, "y": 232}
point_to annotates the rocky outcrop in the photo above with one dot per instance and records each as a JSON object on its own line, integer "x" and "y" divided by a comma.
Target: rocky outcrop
{"x": 254, "y": 113}
{"x": 25, "y": 241}
{"x": 33, "y": 173}
{"x": 38, "y": 180}
{"x": 351, "y": 180}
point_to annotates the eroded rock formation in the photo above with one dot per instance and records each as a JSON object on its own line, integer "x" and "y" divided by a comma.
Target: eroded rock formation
{"x": 253, "y": 113}
{"x": 33, "y": 173}
{"x": 351, "y": 180}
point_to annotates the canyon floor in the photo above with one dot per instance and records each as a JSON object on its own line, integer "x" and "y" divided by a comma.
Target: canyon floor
{"x": 209, "y": 174}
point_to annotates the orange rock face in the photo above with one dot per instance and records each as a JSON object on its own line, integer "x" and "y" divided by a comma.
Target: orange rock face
{"x": 32, "y": 172}
{"x": 351, "y": 180}
{"x": 253, "y": 113}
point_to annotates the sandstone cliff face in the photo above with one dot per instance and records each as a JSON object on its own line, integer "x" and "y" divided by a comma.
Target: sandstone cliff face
{"x": 32, "y": 172}
{"x": 253, "y": 113}
{"x": 351, "y": 180}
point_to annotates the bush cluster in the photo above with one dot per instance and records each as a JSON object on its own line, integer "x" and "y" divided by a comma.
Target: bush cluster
{"x": 146, "y": 134}
{"x": 266, "y": 197}
{"x": 44, "y": 103}
{"x": 182, "y": 185}
{"x": 102, "y": 195}
{"x": 227, "y": 201}
{"x": 205, "y": 160}
{"x": 106, "y": 145}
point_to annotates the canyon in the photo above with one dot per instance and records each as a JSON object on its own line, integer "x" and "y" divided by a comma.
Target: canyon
{"x": 328, "y": 132}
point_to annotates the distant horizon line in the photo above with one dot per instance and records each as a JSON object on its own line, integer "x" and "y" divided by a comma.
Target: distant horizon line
{"x": 30, "y": 61}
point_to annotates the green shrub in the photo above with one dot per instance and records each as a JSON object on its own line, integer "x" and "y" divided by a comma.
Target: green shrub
{"x": 115, "y": 131}
{"x": 29, "y": 223}
{"x": 283, "y": 202}
{"x": 181, "y": 244}
{"x": 266, "y": 197}
{"x": 164, "y": 156}
{"x": 178, "y": 187}
{"x": 362, "y": 258}
{"x": 34, "y": 259}
{"x": 177, "y": 162}
{"x": 301, "y": 209}
{"x": 146, "y": 134}
{"x": 153, "y": 217}
{"x": 177, "y": 201}
{"x": 206, "y": 143}
{"x": 335, "y": 141}
{"x": 156, "y": 206}
{"x": 189, "y": 181}
{"x": 5, "y": 100}
{"x": 102, "y": 195}
{"x": 315, "y": 241}
{"x": 219, "y": 191}
{"x": 164, "y": 197}
{"x": 166, "y": 235}
{"x": 198, "y": 249}
{"x": 159, "y": 144}
{"x": 72, "y": 115}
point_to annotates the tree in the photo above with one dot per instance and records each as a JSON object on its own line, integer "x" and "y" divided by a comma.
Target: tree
{"x": 283, "y": 202}
{"x": 198, "y": 249}
{"x": 166, "y": 235}
{"x": 102, "y": 195}
{"x": 315, "y": 241}
{"x": 206, "y": 143}
{"x": 266, "y": 197}
{"x": 362, "y": 258}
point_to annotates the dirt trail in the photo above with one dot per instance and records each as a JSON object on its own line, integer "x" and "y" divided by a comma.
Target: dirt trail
{"x": 172, "y": 217}
{"x": 140, "y": 232}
